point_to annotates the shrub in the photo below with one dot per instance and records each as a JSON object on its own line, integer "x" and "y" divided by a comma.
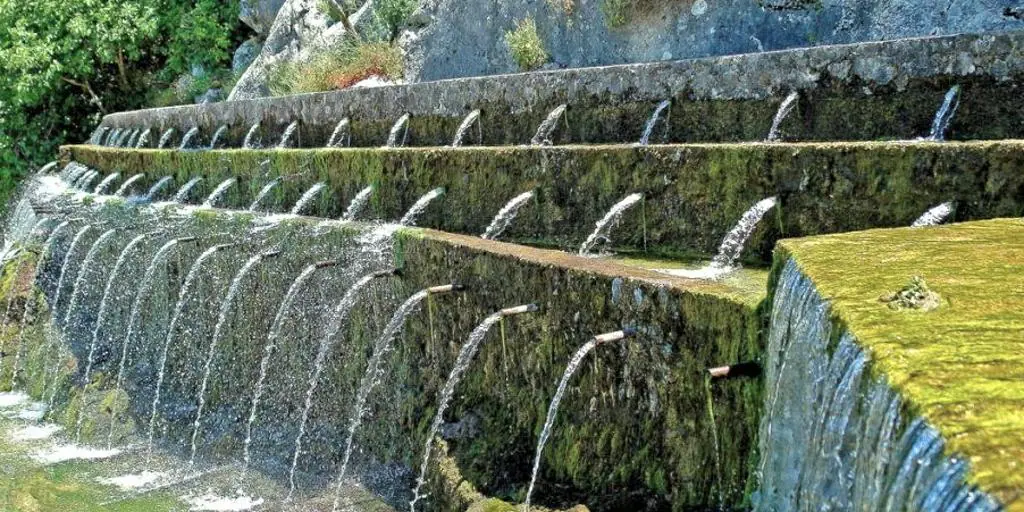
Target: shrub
{"x": 393, "y": 13}
{"x": 61, "y": 68}
{"x": 526, "y": 46}
{"x": 352, "y": 62}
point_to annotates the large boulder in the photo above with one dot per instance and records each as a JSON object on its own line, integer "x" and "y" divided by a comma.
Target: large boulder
{"x": 245, "y": 55}
{"x": 300, "y": 31}
{"x": 259, "y": 14}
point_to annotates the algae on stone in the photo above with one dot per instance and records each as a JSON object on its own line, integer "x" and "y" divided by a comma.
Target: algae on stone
{"x": 961, "y": 366}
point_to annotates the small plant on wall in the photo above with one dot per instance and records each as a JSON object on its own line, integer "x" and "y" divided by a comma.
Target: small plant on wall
{"x": 526, "y": 46}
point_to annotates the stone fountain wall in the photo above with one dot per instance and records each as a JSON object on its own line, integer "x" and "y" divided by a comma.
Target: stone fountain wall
{"x": 864, "y": 91}
{"x": 693, "y": 193}
{"x": 636, "y": 433}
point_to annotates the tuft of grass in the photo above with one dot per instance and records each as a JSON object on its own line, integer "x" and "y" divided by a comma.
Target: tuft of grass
{"x": 526, "y": 46}
{"x": 618, "y": 13}
{"x": 566, "y": 6}
{"x": 350, "y": 63}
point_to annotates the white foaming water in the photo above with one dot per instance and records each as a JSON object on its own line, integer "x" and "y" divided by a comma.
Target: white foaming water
{"x": 102, "y": 187}
{"x": 287, "y": 136}
{"x": 143, "y": 139}
{"x": 182, "y": 195}
{"x": 338, "y": 319}
{"x": 222, "y": 321}
{"x": 268, "y": 350}
{"x": 358, "y": 204}
{"x": 774, "y": 135}
{"x": 133, "y": 317}
{"x": 35, "y": 432}
{"x": 462, "y": 362}
{"x": 607, "y": 222}
{"x": 264, "y": 192}
{"x": 64, "y": 453}
{"x": 123, "y": 189}
{"x": 217, "y": 135}
{"x": 250, "y": 137}
{"x": 403, "y": 122}
{"x": 341, "y": 132}
{"x": 556, "y": 401}
{"x": 212, "y": 502}
{"x": 52, "y": 335}
{"x": 158, "y": 186}
{"x": 29, "y": 411}
{"x": 505, "y": 216}
{"x": 934, "y": 216}
{"x": 134, "y": 481}
{"x": 653, "y": 121}
{"x": 186, "y": 141}
{"x": 102, "y": 315}
{"x": 732, "y": 246}
{"x": 467, "y": 123}
{"x": 10, "y": 399}
{"x": 944, "y": 115}
{"x": 219, "y": 192}
{"x": 547, "y": 128}
{"x": 372, "y": 377}
{"x": 409, "y": 219}
{"x": 183, "y": 295}
{"x": 165, "y": 138}
{"x": 307, "y": 198}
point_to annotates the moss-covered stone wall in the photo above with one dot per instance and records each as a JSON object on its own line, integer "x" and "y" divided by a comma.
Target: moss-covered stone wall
{"x": 957, "y": 365}
{"x": 865, "y": 91}
{"x": 634, "y": 431}
{"x": 694, "y": 194}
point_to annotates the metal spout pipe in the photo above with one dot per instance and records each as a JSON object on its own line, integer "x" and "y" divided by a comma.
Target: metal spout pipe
{"x": 748, "y": 369}
{"x": 447, "y": 288}
{"x": 387, "y": 272}
{"x": 628, "y": 332}
{"x": 326, "y": 264}
{"x": 518, "y": 310}
{"x": 187, "y": 239}
{"x": 270, "y": 254}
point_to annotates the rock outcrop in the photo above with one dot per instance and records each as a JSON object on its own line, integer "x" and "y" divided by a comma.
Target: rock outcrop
{"x": 300, "y": 30}
{"x": 467, "y": 37}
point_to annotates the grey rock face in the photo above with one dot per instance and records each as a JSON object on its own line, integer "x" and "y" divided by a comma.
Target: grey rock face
{"x": 245, "y": 55}
{"x": 466, "y": 37}
{"x": 210, "y": 96}
{"x": 300, "y": 30}
{"x": 259, "y": 14}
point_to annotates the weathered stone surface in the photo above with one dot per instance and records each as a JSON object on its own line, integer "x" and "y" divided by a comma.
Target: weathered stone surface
{"x": 259, "y": 14}
{"x": 300, "y": 30}
{"x": 466, "y": 37}
{"x": 210, "y": 96}
{"x": 245, "y": 55}
{"x": 867, "y": 91}
{"x": 693, "y": 194}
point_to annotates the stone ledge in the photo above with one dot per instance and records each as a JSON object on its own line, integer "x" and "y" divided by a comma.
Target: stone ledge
{"x": 862, "y": 91}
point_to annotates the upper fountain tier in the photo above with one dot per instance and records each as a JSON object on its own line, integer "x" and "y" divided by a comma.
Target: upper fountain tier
{"x": 863, "y": 91}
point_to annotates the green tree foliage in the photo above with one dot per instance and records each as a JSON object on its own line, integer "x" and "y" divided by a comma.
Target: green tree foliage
{"x": 64, "y": 64}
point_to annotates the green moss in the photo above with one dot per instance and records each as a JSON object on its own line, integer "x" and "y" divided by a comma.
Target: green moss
{"x": 693, "y": 193}
{"x": 526, "y": 46}
{"x": 960, "y": 366}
